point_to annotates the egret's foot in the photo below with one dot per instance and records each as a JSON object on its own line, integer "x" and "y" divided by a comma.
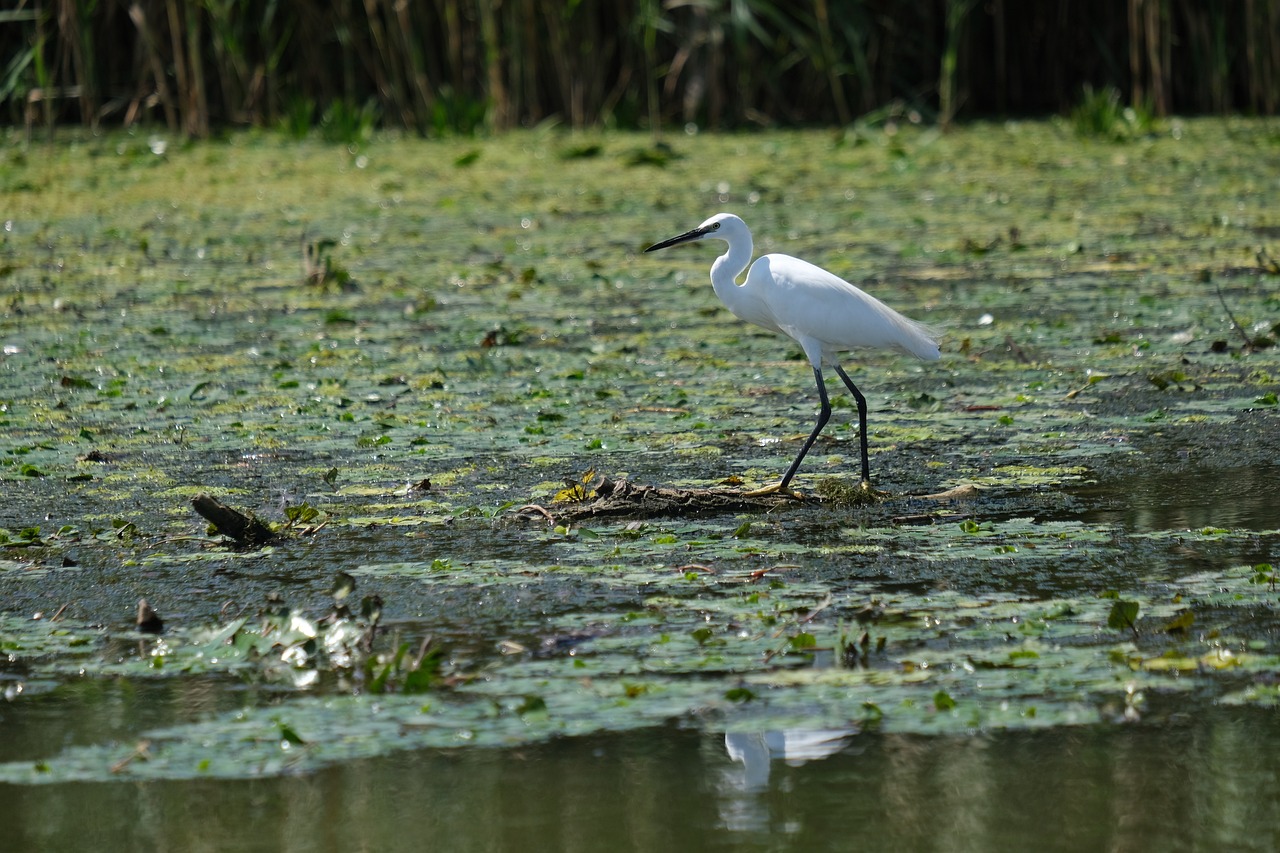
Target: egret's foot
{"x": 775, "y": 489}
{"x": 870, "y": 492}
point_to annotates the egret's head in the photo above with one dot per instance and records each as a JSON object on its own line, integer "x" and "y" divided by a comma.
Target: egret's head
{"x": 720, "y": 227}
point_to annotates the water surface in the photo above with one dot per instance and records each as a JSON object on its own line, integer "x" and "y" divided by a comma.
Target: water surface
{"x": 1199, "y": 780}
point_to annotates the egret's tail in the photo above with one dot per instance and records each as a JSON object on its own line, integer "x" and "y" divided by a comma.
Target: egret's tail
{"x": 919, "y": 339}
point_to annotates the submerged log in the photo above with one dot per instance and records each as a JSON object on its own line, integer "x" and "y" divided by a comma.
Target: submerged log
{"x": 622, "y": 498}
{"x": 967, "y": 490}
{"x": 247, "y": 531}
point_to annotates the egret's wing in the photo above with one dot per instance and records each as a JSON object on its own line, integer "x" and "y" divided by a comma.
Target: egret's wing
{"x": 805, "y": 301}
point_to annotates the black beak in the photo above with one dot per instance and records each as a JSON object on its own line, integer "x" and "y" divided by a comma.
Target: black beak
{"x": 695, "y": 234}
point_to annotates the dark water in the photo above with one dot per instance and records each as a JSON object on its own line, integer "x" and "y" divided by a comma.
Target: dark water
{"x": 1206, "y": 781}
{"x": 1245, "y": 498}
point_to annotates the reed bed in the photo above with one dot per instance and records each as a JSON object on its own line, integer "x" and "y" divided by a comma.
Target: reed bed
{"x": 461, "y": 66}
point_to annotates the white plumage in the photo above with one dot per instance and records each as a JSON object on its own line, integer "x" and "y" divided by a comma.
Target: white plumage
{"x": 821, "y": 312}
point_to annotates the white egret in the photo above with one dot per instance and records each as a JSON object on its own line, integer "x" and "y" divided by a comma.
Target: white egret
{"x": 821, "y": 312}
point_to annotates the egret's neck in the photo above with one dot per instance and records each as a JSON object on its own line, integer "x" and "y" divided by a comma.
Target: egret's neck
{"x": 726, "y": 269}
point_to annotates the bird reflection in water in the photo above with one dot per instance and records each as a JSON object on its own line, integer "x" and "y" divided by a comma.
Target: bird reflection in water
{"x": 753, "y": 753}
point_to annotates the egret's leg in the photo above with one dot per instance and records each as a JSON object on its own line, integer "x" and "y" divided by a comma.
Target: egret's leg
{"x": 823, "y": 417}
{"x": 862, "y": 421}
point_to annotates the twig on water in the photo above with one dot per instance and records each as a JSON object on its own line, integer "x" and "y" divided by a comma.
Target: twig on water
{"x": 1235, "y": 324}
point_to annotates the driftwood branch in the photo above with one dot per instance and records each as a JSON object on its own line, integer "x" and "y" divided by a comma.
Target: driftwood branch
{"x": 622, "y": 498}
{"x": 247, "y": 531}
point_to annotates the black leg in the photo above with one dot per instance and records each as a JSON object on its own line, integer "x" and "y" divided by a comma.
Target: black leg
{"x": 823, "y": 417}
{"x": 862, "y": 421}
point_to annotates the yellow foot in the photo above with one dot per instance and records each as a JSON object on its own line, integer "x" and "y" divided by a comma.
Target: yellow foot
{"x": 872, "y": 492}
{"x": 775, "y": 489}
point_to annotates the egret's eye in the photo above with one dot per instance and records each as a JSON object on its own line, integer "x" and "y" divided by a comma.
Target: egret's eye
{"x": 715, "y": 226}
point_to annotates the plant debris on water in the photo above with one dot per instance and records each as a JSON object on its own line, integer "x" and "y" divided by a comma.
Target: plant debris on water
{"x": 496, "y": 457}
